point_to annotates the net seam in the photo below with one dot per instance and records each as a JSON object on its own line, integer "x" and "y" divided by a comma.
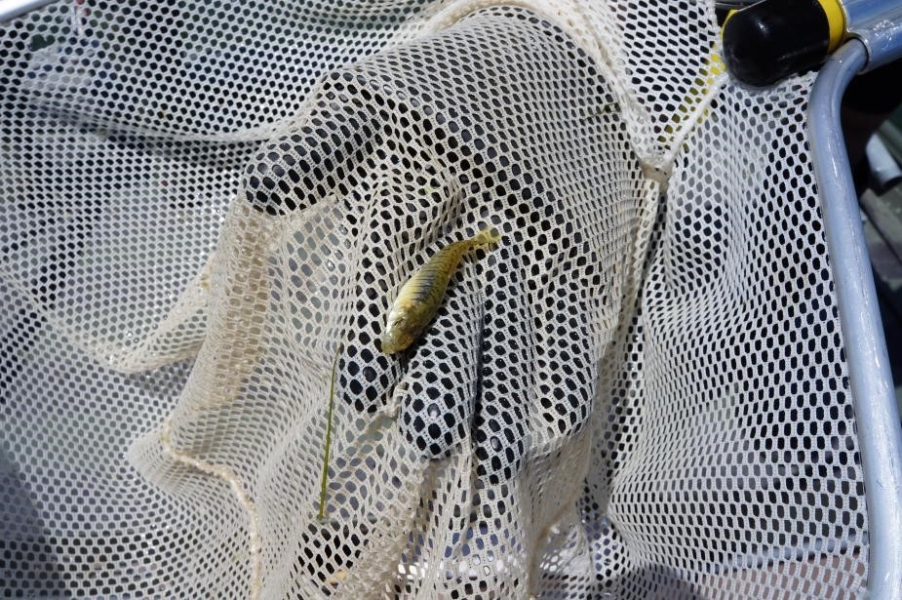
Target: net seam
{"x": 226, "y": 474}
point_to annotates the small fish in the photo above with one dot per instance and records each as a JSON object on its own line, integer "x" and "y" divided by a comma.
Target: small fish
{"x": 420, "y": 297}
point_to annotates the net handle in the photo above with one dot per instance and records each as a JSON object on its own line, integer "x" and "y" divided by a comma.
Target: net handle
{"x": 870, "y": 379}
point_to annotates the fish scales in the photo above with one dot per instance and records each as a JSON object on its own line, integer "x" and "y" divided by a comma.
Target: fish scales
{"x": 430, "y": 282}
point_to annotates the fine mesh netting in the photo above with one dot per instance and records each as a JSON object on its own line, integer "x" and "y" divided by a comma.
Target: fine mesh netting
{"x": 639, "y": 392}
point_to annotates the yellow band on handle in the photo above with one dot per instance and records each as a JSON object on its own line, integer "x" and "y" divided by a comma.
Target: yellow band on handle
{"x": 836, "y": 19}
{"x": 730, "y": 14}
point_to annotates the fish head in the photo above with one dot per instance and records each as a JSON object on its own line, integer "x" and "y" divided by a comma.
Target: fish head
{"x": 397, "y": 335}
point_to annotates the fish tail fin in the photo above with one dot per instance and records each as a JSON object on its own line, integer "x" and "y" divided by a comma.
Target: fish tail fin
{"x": 489, "y": 235}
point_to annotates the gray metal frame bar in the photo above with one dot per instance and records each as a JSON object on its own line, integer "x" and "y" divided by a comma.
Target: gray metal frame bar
{"x": 870, "y": 380}
{"x": 878, "y": 25}
{"x": 884, "y": 168}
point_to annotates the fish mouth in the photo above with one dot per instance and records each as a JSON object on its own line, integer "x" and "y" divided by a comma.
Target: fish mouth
{"x": 396, "y": 341}
{"x": 389, "y": 345}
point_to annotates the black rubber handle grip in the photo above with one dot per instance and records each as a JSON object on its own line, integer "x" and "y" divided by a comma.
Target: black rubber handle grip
{"x": 773, "y": 39}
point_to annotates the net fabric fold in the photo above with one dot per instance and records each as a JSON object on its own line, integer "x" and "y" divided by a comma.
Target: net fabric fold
{"x": 632, "y": 395}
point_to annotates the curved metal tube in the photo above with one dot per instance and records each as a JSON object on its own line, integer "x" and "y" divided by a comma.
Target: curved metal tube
{"x": 873, "y": 397}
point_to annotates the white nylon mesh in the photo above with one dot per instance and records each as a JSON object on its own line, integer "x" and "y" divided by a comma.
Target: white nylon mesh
{"x": 639, "y": 393}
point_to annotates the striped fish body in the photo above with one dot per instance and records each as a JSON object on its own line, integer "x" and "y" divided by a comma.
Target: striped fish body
{"x": 419, "y": 298}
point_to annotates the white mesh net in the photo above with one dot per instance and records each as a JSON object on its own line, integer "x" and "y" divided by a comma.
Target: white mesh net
{"x": 640, "y": 392}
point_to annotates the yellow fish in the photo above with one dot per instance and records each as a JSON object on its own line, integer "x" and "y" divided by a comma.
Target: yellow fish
{"x": 420, "y": 297}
